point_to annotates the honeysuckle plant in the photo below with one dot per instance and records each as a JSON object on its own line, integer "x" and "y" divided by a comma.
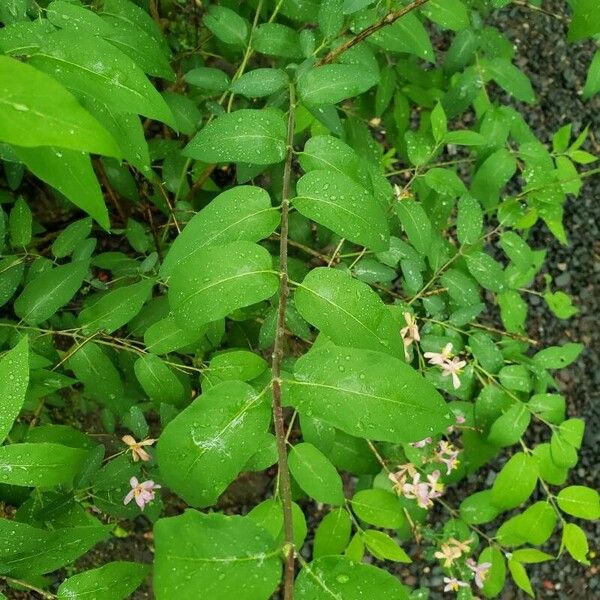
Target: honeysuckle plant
{"x": 290, "y": 238}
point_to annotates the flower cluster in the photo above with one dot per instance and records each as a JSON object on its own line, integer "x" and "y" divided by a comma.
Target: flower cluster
{"x": 450, "y": 365}
{"x": 424, "y": 492}
{"x": 410, "y": 333}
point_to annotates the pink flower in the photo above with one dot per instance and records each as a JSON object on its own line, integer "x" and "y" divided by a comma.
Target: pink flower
{"x": 460, "y": 419}
{"x": 410, "y": 333}
{"x": 421, "y": 443}
{"x": 481, "y": 571}
{"x": 399, "y": 477}
{"x": 439, "y": 358}
{"x": 143, "y": 493}
{"x": 448, "y": 455}
{"x": 453, "y": 367}
{"x": 423, "y": 492}
{"x": 453, "y": 584}
{"x": 137, "y": 450}
{"x": 448, "y": 554}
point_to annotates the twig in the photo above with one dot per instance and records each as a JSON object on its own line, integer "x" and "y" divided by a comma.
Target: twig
{"x": 280, "y": 434}
{"x": 365, "y": 33}
{"x": 110, "y": 191}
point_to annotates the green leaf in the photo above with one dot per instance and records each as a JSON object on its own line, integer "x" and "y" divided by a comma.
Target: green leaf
{"x": 515, "y": 377}
{"x": 331, "y": 84}
{"x": 102, "y": 381}
{"x": 71, "y": 173}
{"x": 486, "y": 352}
{"x": 492, "y": 176}
{"x": 226, "y": 557}
{"x": 241, "y": 213}
{"x": 534, "y": 526}
{"x": 260, "y": 82}
{"x": 70, "y": 237}
{"x": 560, "y": 304}
{"x": 14, "y": 379}
{"x": 513, "y": 310}
{"x": 28, "y": 550}
{"x": 347, "y": 311}
{"x": 158, "y": 381}
{"x": 49, "y": 291}
{"x": 461, "y": 288}
{"x": 469, "y": 221}
{"x": 572, "y": 431}
{"x": 216, "y": 281}
{"x": 11, "y": 275}
{"x": 510, "y": 78}
{"x": 20, "y": 224}
{"x": 43, "y": 465}
{"x": 585, "y": 21}
{"x": 494, "y": 582}
{"x": 558, "y": 357}
{"x": 352, "y": 390}
{"x": 246, "y": 135}
{"x": 563, "y": 453}
{"x": 227, "y": 25}
{"x": 340, "y": 204}
{"x": 116, "y": 308}
{"x": 531, "y": 555}
{"x": 207, "y": 78}
{"x": 477, "y": 508}
{"x": 383, "y": 547}
{"x": 89, "y": 65}
{"x": 328, "y": 152}
{"x": 203, "y": 449}
{"x": 519, "y": 575}
{"x": 450, "y": 14}
{"x": 339, "y": 577}
{"x": 515, "y": 482}
{"x": 66, "y": 15}
{"x": 315, "y": 474}
{"x": 579, "y": 501}
{"x": 445, "y": 181}
{"x": 592, "y": 82}
{"x": 551, "y": 407}
{"x": 439, "y": 123}
{"x": 416, "y": 224}
{"x": 575, "y": 541}
{"x": 269, "y": 515}
{"x": 486, "y": 271}
{"x": 277, "y": 40}
{"x": 333, "y": 533}
{"x": 331, "y": 17}
{"x": 242, "y": 365}
{"x": 166, "y": 336}
{"x": 407, "y": 34}
{"x": 465, "y": 138}
{"x": 36, "y": 110}
{"x": 508, "y": 429}
{"x": 113, "y": 581}
{"x": 549, "y": 470}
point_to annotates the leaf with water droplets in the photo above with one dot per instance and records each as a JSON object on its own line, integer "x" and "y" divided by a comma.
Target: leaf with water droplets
{"x": 216, "y": 281}
{"x": 71, "y": 173}
{"x": 367, "y": 394}
{"x": 331, "y": 84}
{"x": 342, "y": 205}
{"x": 27, "y": 550}
{"x": 14, "y": 379}
{"x": 246, "y": 135}
{"x": 204, "y": 448}
{"x": 337, "y": 577}
{"x": 91, "y": 66}
{"x": 112, "y": 581}
{"x": 116, "y": 308}
{"x": 241, "y": 213}
{"x": 35, "y": 110}
{"x": 50, "y": 290}
{"x": 347, "y": 311}
{"x": 228, "y": 558}
{"x": 41, "y": 464}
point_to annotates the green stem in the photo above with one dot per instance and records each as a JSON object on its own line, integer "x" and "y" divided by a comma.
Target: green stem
{"x": 284, "y": 484}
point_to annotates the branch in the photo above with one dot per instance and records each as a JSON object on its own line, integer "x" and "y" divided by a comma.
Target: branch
{"x": 284, "y": 290}
{"x": 365, "y": 33}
